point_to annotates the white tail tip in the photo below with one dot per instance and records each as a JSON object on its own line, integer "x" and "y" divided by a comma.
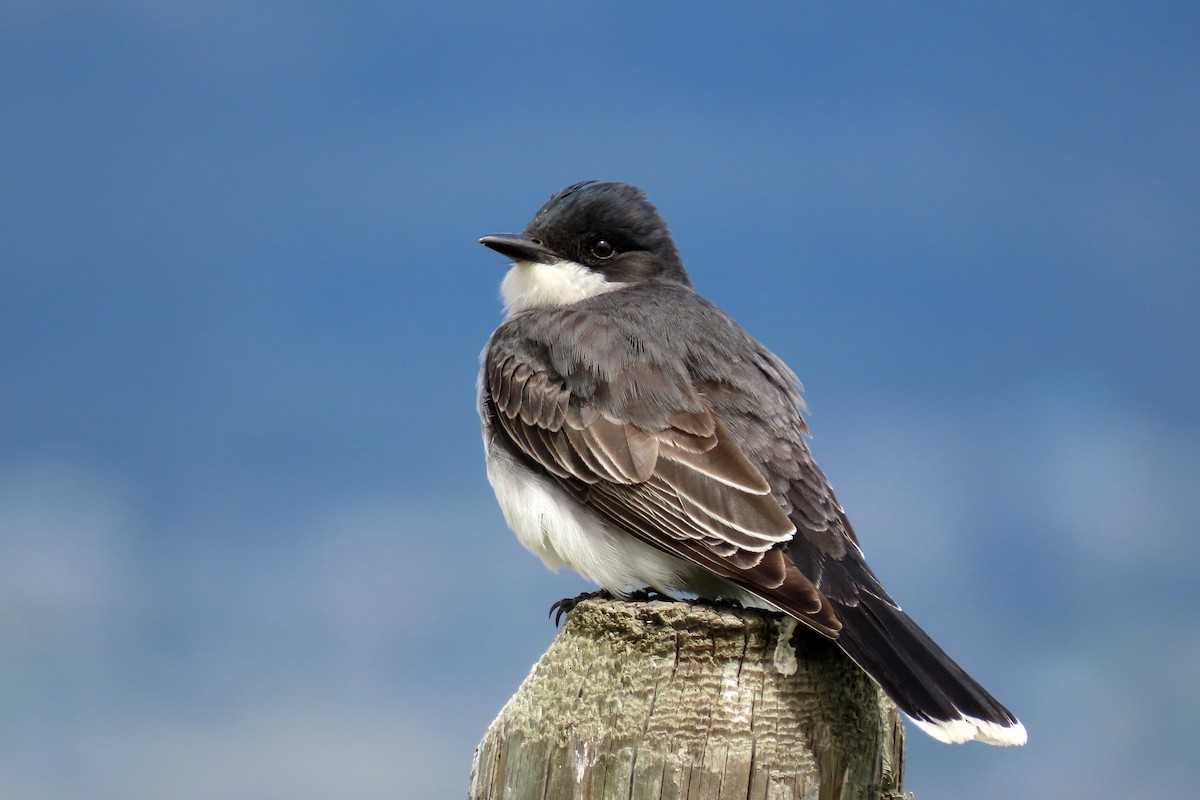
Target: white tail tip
{"x": 967, "y": 728}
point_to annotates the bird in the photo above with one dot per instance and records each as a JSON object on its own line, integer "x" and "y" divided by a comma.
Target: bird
{"x": 637, "y": 434}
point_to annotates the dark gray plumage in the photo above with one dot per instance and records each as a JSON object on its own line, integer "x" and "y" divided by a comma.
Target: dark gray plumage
{"x": 637, "y": 434}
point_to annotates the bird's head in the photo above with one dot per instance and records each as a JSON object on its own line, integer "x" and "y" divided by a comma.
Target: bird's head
{"x": 587, "y": 239}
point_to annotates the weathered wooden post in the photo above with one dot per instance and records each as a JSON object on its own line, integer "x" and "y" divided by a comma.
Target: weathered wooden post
{"x": 685, "y": 701}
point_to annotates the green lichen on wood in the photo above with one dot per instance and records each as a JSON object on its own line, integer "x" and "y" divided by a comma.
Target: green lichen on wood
{"x": 657, "y": 701}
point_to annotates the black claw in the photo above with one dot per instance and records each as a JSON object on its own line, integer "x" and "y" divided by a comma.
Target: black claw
{"x": 565, "y": 606}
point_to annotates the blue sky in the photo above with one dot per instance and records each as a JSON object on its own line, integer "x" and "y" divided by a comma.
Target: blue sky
{"x": 247, "y": 548}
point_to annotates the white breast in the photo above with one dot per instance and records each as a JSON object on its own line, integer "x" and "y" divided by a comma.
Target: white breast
{"x": 562, "y": 532}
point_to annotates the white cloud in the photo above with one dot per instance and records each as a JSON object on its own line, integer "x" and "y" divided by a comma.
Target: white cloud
{"x": 63, "y": 538}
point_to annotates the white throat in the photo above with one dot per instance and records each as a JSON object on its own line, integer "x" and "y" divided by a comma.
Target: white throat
{"x": 530, "y": 284}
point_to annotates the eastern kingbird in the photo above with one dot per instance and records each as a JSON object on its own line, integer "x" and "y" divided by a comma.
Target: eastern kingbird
{"x": 638, "y": 435}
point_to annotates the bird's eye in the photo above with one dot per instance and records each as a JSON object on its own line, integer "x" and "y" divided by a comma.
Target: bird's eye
{"x": 603, "y": 249}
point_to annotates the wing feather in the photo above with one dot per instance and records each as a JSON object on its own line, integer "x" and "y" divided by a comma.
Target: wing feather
{"x": 659, "y": 459}
{"x": 689, "y": 479}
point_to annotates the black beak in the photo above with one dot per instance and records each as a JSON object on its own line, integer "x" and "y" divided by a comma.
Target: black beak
{"x": 519, "y": 247}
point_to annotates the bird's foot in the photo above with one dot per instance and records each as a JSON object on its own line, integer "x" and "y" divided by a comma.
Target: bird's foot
{"x": 561, "y": 608}
{"x": 565, "y": 606}
{"x": 649, "y": 595}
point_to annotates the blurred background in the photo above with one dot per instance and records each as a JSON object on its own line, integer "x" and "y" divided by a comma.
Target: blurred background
{"x": 247, "y": 547}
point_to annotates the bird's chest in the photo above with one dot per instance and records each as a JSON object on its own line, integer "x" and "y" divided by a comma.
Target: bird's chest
{"x": 542, "y": 521}
{"x": 561, "y": 530}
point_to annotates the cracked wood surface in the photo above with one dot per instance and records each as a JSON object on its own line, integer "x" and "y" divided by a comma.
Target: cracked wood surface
{"x": 683, "y": 701}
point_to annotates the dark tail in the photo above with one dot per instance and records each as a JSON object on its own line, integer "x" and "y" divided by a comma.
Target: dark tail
{"x": 921, "y": 679}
